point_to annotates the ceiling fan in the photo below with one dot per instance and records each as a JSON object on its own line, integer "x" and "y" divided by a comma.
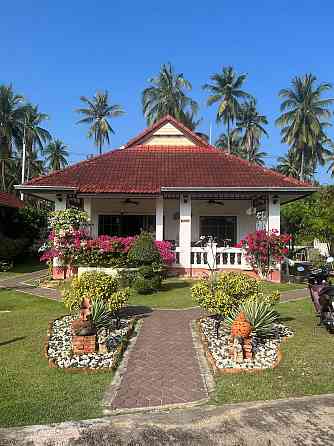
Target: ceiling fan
{"x": 129, "y": 201}
{"x": 221, "y": 203}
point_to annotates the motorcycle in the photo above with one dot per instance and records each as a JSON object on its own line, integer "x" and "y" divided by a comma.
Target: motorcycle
{"x": 322, "y": 293}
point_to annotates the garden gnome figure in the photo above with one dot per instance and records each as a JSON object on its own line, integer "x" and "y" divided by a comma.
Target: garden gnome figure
{"x": 238, "y": 351}
{"x": 102, "y": 337}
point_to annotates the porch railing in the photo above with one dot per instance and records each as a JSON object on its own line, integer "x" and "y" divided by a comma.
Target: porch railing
{"x": 203, "y": 257}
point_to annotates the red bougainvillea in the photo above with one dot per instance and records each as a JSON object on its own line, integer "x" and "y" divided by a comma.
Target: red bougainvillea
{"x": 264, "y": 250}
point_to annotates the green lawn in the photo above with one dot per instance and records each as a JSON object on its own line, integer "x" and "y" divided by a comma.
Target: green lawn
{"x": 28, "y": 265}
{"x": 306, "y": 369}
{"x": 30, "y": 391}
{"x": 176, "y": 293}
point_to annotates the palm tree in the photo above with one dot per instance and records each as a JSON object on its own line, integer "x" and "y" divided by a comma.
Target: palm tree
{"x": 35, "y": 137}
{"x": 303, "y": 114}
{"x": 56, "y": 155}
{"x": 235, "y": 143}
{"x": 226, "y": 90}
{"x": 256, "y": 156}
{"x": 250, "y": 125}
{"x": 12, "y": 112}
{"x": 97, "y": 115}
{"x": 289, "y": 165}
{"x": 166, "y": 96}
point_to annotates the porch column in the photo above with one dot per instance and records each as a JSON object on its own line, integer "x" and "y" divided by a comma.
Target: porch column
{"x": 60, "y": 202}
{"x": 185, "y": 230}
{"x": 274, "y": 217}
{"x": 87, "y": 205}
{"x": 159, "y": 218}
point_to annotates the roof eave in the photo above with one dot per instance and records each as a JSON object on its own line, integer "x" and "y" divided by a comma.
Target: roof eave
{"x": 45, "y": 189}
{"x": 307, "y": 189}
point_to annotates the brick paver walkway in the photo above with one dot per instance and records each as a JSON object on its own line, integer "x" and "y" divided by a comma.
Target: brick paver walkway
{"x": 21, "y": 283}
{"x": 294, "y": 294}
{"x": 163, "y": 367}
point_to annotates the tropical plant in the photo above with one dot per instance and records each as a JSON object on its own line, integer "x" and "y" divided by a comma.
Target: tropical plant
{"x": 264, "y": 250}
{"x": 226, "y": 90}
{"x": 97, "y": 114}
{"x": 225, "y": 293}
{"x": 100, "y": 316}
{"x": 167, "y": 96}
{"x": 260, "y": 314}
{"x": 250, "y": 126}
{"x": 304, "y": 116}
{"x": 12, "y": 115}
{"x": 235, "y": 143}
{"x": 56, "y": 155}
{"x": 144, "y": 251}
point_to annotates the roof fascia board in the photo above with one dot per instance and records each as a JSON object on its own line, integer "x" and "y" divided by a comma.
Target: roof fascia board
{"x": 240, "y": 189}
{"x": 45, "y": 188}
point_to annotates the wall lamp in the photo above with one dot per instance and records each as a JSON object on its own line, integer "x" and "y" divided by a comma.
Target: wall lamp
{"x": 275, "y": 199}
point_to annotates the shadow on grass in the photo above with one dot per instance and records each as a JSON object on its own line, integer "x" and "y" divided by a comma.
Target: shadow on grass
{"x": 286, "y": 319}
{"x": 11, "y": 341}
{"x": 30, "y": 265}
{"x": 170, "y": 286}
{"x": 136, "y": 310}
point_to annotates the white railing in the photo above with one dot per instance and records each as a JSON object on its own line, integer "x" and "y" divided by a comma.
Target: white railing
{"x": 217, "y": 258}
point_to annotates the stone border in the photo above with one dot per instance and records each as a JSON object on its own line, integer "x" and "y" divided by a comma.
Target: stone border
{"x": 116, "y": 359}
{"x": 217, "y": 370}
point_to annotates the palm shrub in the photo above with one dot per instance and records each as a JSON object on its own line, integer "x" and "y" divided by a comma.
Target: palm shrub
{"x": 260, "y": 314}
{"x": 100, "y": 315}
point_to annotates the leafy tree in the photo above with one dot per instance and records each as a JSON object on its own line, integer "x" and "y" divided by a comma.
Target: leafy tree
{"x": 304, "y": 115}
{"x": 226, "y": 90}
{"x": 167, "y": 96}
{"x": 12, "y": 113}
{"x": 97, "y": 115}
{"x": 56, "y": 155}
{"x": 250, "y": 125}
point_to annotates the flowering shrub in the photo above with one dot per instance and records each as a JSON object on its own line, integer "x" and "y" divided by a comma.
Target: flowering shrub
{"x": 165, "y": 251}
{"x": 67, "y": 219}
{"x": 264, "y": 250}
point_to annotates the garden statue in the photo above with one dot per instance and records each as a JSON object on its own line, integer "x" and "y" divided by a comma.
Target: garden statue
{"x": 240, "y": 345}
{"x": 85, "y": 309}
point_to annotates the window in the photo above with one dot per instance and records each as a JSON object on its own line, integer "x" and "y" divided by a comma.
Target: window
{"x": 219, "y": 227}
{"x": 123, "y": 225}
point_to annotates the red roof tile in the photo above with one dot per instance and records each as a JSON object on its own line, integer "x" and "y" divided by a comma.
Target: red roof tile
{"x": 10, "y": 200}
{"x": 145, "y": 169}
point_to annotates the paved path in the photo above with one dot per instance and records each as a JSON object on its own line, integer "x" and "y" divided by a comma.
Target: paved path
{"x": 294, "y": 294}
{"x": 163, "y": 367}
{"x": 23, "y": 284}
{"x": 307, "y": 421}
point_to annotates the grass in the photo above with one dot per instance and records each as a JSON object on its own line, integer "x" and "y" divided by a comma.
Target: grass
{"x": 175, "y": 293}
{"x": 30, "y": 391}
{"x": 28, "y": 265}
{"x": 306, "y": 369}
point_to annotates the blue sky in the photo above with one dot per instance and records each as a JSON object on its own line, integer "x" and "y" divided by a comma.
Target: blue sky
{"x": 54, "y": 52}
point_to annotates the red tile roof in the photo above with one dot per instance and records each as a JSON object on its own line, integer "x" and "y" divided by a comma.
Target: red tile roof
{"x": 144, "y": 135}
{"x": 10, "y": 200}
{"x": 145, "y": 169}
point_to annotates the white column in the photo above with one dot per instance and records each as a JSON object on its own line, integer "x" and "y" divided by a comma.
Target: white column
{"x": 185, "y": 230}
{"x": 274, "y": 210}
{"x": 60, "y": 202}
{"x": 88, "y": 208}
{"x": 159, "y": 218}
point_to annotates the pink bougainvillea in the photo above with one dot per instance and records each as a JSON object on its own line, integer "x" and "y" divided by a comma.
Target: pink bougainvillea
{"x": 165, "y": 251}
{"x": 264, "y": 250}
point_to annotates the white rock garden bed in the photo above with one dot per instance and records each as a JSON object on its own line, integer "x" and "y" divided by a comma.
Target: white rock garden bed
{"x": 266, "y": 351}
{"x": 58, "y": 346}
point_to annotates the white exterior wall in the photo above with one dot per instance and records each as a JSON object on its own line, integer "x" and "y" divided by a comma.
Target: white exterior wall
{"x": 274, "y": 213}
{"x": 171, "y": 213}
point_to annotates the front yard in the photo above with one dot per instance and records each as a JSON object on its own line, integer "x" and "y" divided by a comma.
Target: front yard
{"x": 33, "y": 393}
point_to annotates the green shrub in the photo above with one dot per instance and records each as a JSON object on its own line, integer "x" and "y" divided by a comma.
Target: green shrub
{"x": 156, "y": 282}
{"x": 12, "y": 248}
{"x": 226, "y": 292}
{"x": 142, "y": 285}
{"x": 146, "y": 271}
{"x": 126, "y": 277}
{"x": 143, "y": 251}
{"x": 95, "y": 285}
{"x": 260, "y": 314}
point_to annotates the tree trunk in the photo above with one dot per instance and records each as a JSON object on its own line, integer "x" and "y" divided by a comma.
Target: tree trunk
{"x": 301, "y": 176}
{"x": 228, "y": 136}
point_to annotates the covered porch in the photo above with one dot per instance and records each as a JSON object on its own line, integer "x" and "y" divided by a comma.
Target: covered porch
{"x": 183, "y": 217}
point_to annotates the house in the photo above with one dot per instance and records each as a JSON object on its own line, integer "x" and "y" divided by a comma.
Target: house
{"x": 170, "y": 181}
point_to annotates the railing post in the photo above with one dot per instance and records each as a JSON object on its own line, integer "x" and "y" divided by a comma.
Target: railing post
{"x": 211, "y": 249}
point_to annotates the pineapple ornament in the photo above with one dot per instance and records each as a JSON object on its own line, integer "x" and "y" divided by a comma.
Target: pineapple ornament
{"x": 241, "y": 327}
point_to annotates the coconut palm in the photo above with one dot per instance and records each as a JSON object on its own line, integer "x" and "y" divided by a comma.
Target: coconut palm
{"x": 235, "y": 143}
{"x": 167, "y": 96}
{"x": 226, "y": 90}
{"x": 250, "y": 125}
{"x": 56, "y": 155}
{"x": 289, "y": 165}
{"x": 256, "y": 156}
{"x": 303, "y": 113}
{"x": 97, "y": 115}
{"x": 12, "y": 113}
